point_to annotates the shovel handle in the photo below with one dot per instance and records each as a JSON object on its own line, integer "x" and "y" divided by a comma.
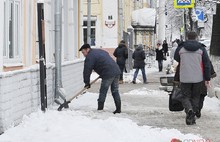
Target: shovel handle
{"x": 83, "y": 90}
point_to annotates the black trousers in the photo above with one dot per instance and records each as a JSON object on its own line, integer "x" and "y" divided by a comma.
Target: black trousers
{"x": 122, "y": 67}
{"x": 191, "y": 96}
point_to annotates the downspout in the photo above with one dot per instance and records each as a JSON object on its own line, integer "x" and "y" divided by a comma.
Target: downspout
{"x": 121, "y": 18}
{"x": 59, "y": 91}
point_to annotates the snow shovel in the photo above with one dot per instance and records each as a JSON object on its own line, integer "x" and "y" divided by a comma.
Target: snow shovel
{"x": 65, "y": 104}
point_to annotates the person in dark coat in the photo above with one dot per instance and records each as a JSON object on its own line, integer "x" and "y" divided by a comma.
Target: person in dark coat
{"x": 165, "y": 48}
{"x": 159, "y": 55}
{"x": 102, "y": 63}
{"x": 121, "y": 54}
{"x": 139, "y": 63}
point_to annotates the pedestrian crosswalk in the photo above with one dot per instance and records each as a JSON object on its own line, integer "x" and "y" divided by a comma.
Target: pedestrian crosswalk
{"x": 184, "y": 1}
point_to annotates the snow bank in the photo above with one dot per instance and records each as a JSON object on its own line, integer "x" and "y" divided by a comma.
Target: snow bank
{"x": 69, "y": 126}
{"x": 212, "y": 104}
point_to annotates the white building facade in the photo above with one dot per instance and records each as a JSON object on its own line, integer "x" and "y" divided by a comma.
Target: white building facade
{"x": 104, "y": 23}
{"x": 19, "y": 55}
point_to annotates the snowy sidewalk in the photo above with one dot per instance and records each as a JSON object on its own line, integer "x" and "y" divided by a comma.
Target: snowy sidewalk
{"x": 145, "y": 118}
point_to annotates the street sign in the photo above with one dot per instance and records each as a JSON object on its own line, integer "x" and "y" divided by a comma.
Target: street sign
{"x": 200, "y": 13}
{"x": 184, "y": 3}
{"x": 201, "y": 16}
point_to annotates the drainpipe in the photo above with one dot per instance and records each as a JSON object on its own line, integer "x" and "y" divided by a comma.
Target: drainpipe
{"x": 59, "y": 91}
{"x": 121, "y": 18}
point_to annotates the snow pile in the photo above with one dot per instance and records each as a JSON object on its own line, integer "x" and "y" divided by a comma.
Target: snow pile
{"x": 69, "y": 126}
{"x": 212, "y": 104}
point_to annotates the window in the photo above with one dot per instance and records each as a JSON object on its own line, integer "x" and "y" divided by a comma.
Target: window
{"x": 93, "y": 30}
{"x": 12, "y": 47}
{"x": 110, "y": 17}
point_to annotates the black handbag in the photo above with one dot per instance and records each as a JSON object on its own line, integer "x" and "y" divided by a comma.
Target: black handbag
{"x": 175, "y": 103}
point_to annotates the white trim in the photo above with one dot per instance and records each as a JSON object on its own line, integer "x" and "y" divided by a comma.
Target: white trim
{"x": 29, "y": 28}
{"x": 76, "y": 26}
{"x": 16, "y": 40}
{"x": 65, "y": 30}
{"x": 13, "y": 65}
{"x": 93, "y": 18}
{"x": 1, "y": 34}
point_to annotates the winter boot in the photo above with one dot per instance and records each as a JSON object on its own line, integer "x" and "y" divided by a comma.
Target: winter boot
{"x": 190, "y": 118}
{"x": 100, "y": 105}
{"x": 118, "y": 107}
{"x": 134, "y": 82}
{"x": 145, "y": 82}
{"x": 198, "y": 113}
{"x": 121, "y": 82}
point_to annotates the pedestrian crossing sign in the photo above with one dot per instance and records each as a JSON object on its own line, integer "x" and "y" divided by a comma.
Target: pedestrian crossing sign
{"x": 184, "y": 3}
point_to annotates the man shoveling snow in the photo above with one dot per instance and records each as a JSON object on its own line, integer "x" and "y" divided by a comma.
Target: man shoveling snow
{"x": 101, "y": 62}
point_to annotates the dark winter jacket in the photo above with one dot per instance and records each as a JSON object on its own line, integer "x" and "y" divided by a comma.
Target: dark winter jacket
{"x": 102, "y": 63}
{"x": 165, "y": 47}
{"x": 194, "y": 62}
{"x": 139, "y": 57}
{"x": 159, "y": 54}
{"x": 121, "y": 54}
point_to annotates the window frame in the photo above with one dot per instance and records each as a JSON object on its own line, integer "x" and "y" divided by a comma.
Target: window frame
{"x": 16, "y": 26}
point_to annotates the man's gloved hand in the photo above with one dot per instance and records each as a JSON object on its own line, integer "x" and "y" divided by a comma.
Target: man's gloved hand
{"x": 87, "y": 86}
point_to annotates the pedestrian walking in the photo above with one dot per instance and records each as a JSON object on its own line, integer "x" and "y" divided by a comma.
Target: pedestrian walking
{"x": 139, "y": 63}
{"x": 121, "y": 54}
{"x": 102, "y": 63}
{"x": 159, "y": 55}
{"x": 165, "y": 48}
{"x": 194, "y": 68}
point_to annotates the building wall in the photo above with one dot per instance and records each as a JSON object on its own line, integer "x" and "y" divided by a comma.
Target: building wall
{"x": 19, "y": 83}
{"x": 20, "y": 90}
{"x": 110, "y": 35}
{"x": 101, "y": 9}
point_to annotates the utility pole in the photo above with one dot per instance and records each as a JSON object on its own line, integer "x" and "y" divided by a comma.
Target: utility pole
{"x": 89, "y": 21}
{"x": 42, "y": 63}
{"x": 185, "y": 23}
{"x": 161, "y": 19}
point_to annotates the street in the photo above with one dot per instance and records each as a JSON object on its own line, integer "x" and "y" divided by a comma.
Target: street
{"x": 147, "y": 107}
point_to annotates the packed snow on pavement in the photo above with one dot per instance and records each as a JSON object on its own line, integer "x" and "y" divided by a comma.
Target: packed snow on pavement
{"x": 83, "y": 123}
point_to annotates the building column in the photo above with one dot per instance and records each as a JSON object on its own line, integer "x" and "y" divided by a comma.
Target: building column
{"x": 161, "y": 28}
{"x": 1, "y": 33}
{"x": 76, "y": 13}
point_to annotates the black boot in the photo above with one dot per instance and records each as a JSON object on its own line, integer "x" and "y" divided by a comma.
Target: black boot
{"x": 190, "y": 118}
{"x": 198, "y": 113}
{"x": 100, "y": 105}
{"x": 118, "y": 107}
